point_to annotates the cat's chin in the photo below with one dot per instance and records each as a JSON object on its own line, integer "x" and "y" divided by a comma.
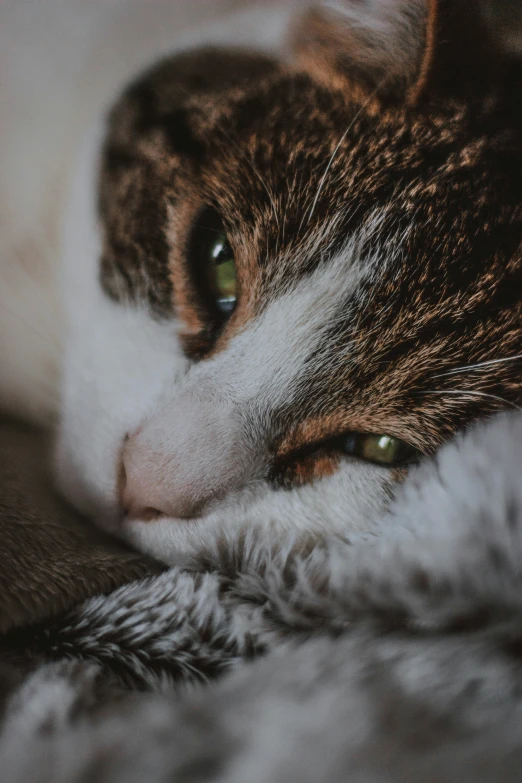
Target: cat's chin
{"x": 252, "y": 515}
{"x": 173, "y": 541}
{"x": 180, "y": 542}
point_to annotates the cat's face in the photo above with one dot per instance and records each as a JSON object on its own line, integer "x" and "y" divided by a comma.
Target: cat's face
{"x": 305, "y": 280}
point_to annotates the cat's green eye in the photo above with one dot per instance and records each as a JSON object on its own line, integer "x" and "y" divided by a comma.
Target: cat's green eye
{"x": 212, "y": 264}
{"x": 379, "y": 449}
{"x": 225, "y": 274}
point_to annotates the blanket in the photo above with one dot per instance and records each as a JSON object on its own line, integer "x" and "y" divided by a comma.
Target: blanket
{"x": 394, "y": 655}
{"x": 50, "y": 558}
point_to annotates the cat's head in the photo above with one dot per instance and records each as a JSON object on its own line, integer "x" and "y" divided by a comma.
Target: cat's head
{"x": 307, "y": 273}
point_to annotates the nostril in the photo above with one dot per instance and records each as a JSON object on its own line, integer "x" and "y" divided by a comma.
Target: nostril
{"x": 134, "y": 510}
{"x": 129, "y": 504}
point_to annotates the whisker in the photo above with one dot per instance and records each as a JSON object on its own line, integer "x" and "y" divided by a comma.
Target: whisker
{"x": 469, "y": 393}
{"x": 479, "y": 365}
{"x": 336, "y": 150}
{"x": 328, "y": 167}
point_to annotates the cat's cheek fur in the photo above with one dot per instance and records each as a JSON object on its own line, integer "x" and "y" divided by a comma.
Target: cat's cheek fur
{"x": 113, "y": 378}
{"x": 347, "y": 502}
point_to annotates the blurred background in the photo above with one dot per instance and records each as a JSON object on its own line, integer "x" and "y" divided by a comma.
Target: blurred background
{"x": 506, "y": 17}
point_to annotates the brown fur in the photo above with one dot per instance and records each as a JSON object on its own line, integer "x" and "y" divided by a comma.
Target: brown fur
{"x": 440, "y": 163}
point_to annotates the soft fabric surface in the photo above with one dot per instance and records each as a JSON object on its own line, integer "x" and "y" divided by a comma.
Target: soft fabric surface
{"x": 50, "y": 559}
{"x": 393, "y": 656}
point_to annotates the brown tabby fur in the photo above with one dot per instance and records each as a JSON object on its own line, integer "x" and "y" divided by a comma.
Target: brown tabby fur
{"x": 430, "y": 162}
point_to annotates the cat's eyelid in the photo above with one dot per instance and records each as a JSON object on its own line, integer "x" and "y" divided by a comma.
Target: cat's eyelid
{"x": 336, "y": 445}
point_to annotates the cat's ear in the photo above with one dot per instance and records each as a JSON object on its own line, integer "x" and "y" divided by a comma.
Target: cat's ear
{"x": 401, "y": 50}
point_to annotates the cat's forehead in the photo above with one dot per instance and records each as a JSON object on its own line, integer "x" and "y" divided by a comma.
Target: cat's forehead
{"x": 283, "y": 138}
{"x": 299, "y": 170}
{"x": 286, "y": 162}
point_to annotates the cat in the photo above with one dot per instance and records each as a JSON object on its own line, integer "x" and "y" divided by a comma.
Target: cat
{"x": 292, "y": 256}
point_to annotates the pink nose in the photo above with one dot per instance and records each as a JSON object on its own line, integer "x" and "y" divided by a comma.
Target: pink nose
{"x": 177, "y": 464}
{"x": 146, "y": 492}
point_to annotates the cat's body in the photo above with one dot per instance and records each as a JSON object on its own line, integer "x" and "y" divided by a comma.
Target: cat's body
{"x": 371, "y": 192}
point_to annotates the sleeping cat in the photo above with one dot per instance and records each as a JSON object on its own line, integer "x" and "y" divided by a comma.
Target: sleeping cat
{"x": 291, "y": 269}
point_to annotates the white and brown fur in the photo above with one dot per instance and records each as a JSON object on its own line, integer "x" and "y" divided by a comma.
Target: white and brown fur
{"x": 368, "y": 174}
{"x": 390, "y": 656}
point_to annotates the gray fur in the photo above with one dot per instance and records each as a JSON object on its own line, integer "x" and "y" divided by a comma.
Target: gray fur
{"x": 390, "y": 656}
